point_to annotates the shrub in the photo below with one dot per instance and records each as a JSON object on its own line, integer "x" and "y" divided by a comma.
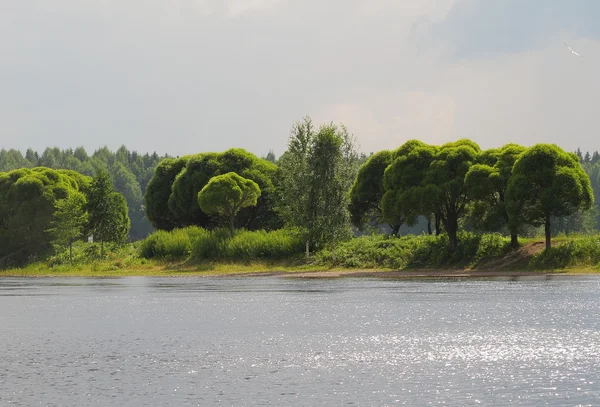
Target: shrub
{"x": 172, "y": 245}
{"x": 416, "y": 251}
{"x": 247, "y": 245}
{"x": 583, "y": 251}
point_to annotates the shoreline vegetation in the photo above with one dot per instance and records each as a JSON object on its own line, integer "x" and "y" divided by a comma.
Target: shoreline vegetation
{"x": 319, "y": 210}
{"x": 179, "y": 253}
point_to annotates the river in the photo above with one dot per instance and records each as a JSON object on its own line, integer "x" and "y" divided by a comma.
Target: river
{"x": 141, "y": 341}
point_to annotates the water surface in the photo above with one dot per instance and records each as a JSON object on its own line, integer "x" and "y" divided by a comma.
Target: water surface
{"x": 272, "y": 341}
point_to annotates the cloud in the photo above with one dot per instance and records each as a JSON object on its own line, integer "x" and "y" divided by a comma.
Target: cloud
{"x": 203, "y": 75}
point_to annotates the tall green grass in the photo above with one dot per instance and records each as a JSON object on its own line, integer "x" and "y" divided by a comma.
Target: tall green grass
{"x": 577, "y": 252}
{"x": 219, "y": 244}
{"x": 173, "y": 245}
{"x": 424, "y": 251}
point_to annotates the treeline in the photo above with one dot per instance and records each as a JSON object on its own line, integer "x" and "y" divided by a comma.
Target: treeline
{"x": 43, "y": 210}
{"x": 306, "y": 190}
{"x": 319, "y": 189}
{"x": 591, "y": 220}
{"x": 129, "y": 171}
{"x": 457, "y": 185}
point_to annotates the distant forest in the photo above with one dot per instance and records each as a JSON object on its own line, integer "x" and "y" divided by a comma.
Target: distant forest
{"x": 130, "y": 173}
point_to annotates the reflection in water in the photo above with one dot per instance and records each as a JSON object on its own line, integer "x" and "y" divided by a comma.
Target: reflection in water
{"x": 273, "y": 341}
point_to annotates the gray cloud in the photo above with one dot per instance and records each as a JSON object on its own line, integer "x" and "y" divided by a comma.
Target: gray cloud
{"x": 189, "y": 75}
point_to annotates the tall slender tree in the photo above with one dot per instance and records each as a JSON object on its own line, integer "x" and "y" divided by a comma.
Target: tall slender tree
{"x": 108, "y": 220}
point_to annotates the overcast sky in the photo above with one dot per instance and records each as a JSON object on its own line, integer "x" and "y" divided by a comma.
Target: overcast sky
{"x": 187, "y": 76}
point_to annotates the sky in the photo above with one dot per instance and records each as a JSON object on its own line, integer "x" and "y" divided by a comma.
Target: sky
{"x": 187, "y": 76}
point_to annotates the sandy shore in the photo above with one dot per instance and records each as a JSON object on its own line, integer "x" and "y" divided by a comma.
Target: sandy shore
{"x": 408, "y": 274}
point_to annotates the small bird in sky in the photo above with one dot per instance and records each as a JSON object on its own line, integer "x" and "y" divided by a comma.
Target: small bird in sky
{"x": 571, "y": 49}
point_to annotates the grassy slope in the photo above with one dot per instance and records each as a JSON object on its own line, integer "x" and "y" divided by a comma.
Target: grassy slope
{"x": 498, "y": 260}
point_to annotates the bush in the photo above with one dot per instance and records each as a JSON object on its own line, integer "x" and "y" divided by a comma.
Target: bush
{"x": 260, "y": 244}
{"x": 583, "y": 251}
{"x": 218, "y": 244}
{"x": 173, "y": 245}
{"x": 415, "y": 251}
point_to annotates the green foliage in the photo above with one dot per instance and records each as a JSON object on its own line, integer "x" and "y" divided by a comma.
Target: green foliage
{"x": 219, "y": 244}
{"x": 422, "y": 251}
{"x": 547, "y": 182}
{"x": 27, "y": 204}
{"x": 367, "y": 191}
{"x": 315, "y": 177}
{"x": 274, "y": 245}
{"x": 158, "y": 192}
{"x": 108, "y": 218}
{"x": 226, "y": 194}
{"x": 446, "y": 181}
{"x": 404, "y": 181}
{"x": 172, "y": 195}
{"x": 68, "y": 220}
{"x": 578, "y": 252}
{"x": 333, "y": 166}
{"x": 486, "y": 185}
{"x": 171, "y": 245}
{"x": 129, "y": 171}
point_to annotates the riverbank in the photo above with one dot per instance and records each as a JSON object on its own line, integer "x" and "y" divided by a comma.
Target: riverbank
{"x": 257, "y": 270}
{"x": 360, "y": 257}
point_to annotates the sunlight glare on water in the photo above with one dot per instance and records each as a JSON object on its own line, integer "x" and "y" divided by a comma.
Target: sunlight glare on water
{"x": 275, "y": 341}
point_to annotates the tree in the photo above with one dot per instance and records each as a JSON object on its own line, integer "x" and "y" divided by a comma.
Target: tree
{"x": 333, "y": 164}
{"x": 445, "y": 179}
{"x": 314, "y": 178}
{"x": 108, "y": 220}
{"x": 404, "y": 184}
{"x": 180, "y": 188}
{"x": 27, "y": 205}
{"x": 68, "y": 221}
{"x": 486, "y": 183}
{"x": 157, "y": 194}
{"x": 547, "y": 182}
{"x": 226, "y": 194}
{"x": 270, "y": 157}
{"x": 293, "y": 184}
{"x": 367, "y": 192}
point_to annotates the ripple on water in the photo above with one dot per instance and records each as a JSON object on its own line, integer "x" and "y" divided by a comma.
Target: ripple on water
{"x": 279, "y": 342}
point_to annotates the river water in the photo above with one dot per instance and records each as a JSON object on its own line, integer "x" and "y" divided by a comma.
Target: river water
{"x": 288, "y": 342}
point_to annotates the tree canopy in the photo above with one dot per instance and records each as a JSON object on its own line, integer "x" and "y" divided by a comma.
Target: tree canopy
{"x": 486, "y": 184}
{"x": 547, "y": 182}
{"x": 314, "y": 180}
{"x": 367, "y": 191}
{"x": 226, "y": 194}
{"x": 108, "y": 219}
{"x": 172, "y": 195}
{"x": 129, "y": 171}
{"x": 28, "y": 198}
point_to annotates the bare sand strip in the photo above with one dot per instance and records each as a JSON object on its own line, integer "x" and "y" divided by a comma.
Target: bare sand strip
{"x": 408, "y": 274}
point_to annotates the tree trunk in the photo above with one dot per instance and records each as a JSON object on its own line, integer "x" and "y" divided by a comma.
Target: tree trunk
{"x": 429, "y": 231}
{"x": 231, "y": 224}
{"x": 514, "y": 240}
{"x": 438, "y": 224}
{"x": 395, "y": 229}
{"x": 548, "y": 233}
{"x": 452, "y": 229}
{"x": 307, "y": 249}
{"x": 333, "y": 249}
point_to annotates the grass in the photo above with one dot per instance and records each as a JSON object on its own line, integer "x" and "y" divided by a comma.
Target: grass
{"x": 422, "y": 251}
{"x": 196, "y": 252}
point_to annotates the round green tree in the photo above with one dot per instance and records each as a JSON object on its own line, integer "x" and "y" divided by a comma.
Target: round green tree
{"x": 367, "y": 191}
{"x": 546, "y": 181}
{"x": 486, "y": 184}
{"x": 226, "y": 194}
